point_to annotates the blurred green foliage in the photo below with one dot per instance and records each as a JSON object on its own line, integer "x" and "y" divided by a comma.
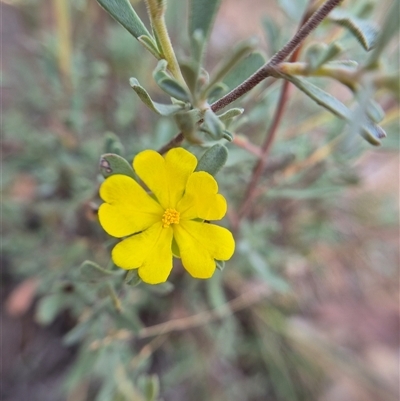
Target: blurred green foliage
{"x": 58, "y": 125}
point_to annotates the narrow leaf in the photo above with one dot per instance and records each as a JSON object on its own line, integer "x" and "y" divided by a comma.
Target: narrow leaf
{"x": 365, "y": 31}
{"x": 389, "y": 28}
{"x": 161, "y": 109}
{"x": 244, "y": 69}
{"x": 368, "y": 129}
{"x": 202, "y": 15}
{"x": 123, "y": 12}
{"x": 230, "y": 61}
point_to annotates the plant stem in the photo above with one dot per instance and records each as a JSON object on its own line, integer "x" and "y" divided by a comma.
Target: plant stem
{"x": 250, "y": 194}
{"x": 268, "y": 69}
{"x": 156, "y": 10}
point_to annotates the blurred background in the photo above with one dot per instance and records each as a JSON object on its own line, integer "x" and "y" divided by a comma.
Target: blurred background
{"x": 308, "y": 308}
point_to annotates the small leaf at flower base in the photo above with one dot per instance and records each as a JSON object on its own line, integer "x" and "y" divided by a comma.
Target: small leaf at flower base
{"x": 220, "y": 264}
{"x": 213, "y": 159}
{"x": 161, "y": 109}
{"x": 365, "y": 31}
{"x": 201, "y": 17}
{"x": 174, "y": 89}
{"x": 112, "y": 144}
{"x": 150, "y": 45}
{"x": 123, "y": 12}
{"x": 111, "y": 164}
{"x": 132, "y": 278}
{"x": 212, "y": 125}
{"x": 244, "y": 69}
{"x": 93, "y": 273}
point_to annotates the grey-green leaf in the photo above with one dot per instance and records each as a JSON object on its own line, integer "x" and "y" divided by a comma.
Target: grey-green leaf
{"x": 161, "y": 109}
{"x": 389, "y": 27}
{"x": 202, "y": 15}
{"x": 112, "y": 144}
{"x": 123, "y": 12}
{"x": 49, "y": 307}
{"x": 368, "y": 129}
{"x": 213, "y": 125}
{"x": 111, "y": 164}
{"x": 213, "y": 159}
{"x": 174, "y": 89}
{"x": 230, "y": 61}
{"x": 231, "y": 113}
{"x": 244, "y": 69}
{"x": 93, "y": 273}
{"x": 365, "y": 31}
{"x": 150, "y": 45}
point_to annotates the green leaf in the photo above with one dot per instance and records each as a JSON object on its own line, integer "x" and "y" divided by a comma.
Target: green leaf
{"x": 132, "y": 278}
{"x": 150, "y": 45}
{"x": 161, "y": 109}
{"x": 220, "y": 264}
{"x": 389, "y": 27}
{"x": 152, "y": 387}
{"x": 93, "y": 273}
{"x": 49, "y": 307}
{"x": 375, "y": 111}
{"x": 123, "y": 12}
{"x": 112, "y": 144}
{"x": 216, "y": 91}
{"x": 212, "y": 125}
{"x": 111, "y": 164}
{"x": 231, "y": 113}
{"x": 187, "y": 123}
{"x": 244, "y": 69}
{"x": 190, "y": 73}
{"x": 174, "y": 89}
{"x": 213, "y": 159}
{"x": 161, "y": 289}
{"x": 319, "y": 54}
{"x": 368, "y": 130}
{"x": 201, "y": 17}
{"x": 365, "y": 31}
{"x": 229, "y": 62}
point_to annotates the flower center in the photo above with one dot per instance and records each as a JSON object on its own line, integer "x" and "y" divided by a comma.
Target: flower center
{"x": 170, "y": 216}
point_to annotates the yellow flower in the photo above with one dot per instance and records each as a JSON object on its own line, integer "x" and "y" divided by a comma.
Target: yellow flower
{"x": 174, "y": 222}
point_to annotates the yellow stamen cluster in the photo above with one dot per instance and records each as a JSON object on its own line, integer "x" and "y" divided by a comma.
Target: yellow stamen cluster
{"x": 170, "y": 216}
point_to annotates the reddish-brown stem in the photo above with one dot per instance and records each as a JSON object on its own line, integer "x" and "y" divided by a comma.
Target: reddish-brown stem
{"x": 268, "y": 69}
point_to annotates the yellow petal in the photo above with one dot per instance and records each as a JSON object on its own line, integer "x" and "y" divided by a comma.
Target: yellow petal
{"x": 201, "y": 199}
{"x": 200, "y": 244}
{"x": 128, "y": 208}
{"x": 149, "y": 251}
{"x": 165, "y": 177}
